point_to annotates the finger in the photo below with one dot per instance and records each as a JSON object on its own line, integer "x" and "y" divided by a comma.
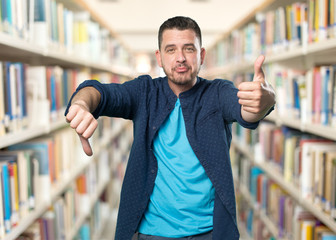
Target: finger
{"x": 258, "y": 72}
{"x": 250, "y": 109}
{"x": 247, "y": 95}
{"x": 84, "y": 123}
{"x": 86, "y": 145}
{"x": 90, "y": 130}
{"x": 75, "y": 122}
{"x": 258, "y": 64}
{"x": 81, "y": 121}
{"x": 249, "y": 86}
{"x": 71, "y": 113}
{"x": 249, "y": 103}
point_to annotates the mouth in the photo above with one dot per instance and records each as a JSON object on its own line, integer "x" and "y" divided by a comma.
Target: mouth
{"x": 181, "y": 68}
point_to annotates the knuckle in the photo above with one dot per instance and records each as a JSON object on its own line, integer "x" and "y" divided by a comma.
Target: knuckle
{"x": 73, "y": 125}
{"x": 95, "y": 123}
{"x": 86, "y": 135}
{"x": 80, "y": 130}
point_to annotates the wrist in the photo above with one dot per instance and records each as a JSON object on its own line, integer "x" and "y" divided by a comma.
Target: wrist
{"x": 81, "y": 103}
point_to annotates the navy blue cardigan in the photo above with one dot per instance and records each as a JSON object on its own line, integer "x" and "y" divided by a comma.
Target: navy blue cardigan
{"x": 208, "y": 108}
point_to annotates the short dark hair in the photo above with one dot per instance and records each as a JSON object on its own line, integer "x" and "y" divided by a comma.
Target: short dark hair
{"x": 180, "y": 23}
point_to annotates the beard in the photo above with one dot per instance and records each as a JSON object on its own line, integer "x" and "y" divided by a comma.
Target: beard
{"x": 186, "y": 77}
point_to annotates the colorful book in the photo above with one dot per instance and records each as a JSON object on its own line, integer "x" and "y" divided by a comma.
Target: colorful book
{"x": 6, "y": 196}
{"x": 40, "y": 149}
{"x": 2, "y": 223}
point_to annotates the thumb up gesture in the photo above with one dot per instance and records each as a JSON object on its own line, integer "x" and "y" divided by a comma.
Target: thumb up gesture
{"x": 84, "y": 123}
{"x": 256, "y": 97}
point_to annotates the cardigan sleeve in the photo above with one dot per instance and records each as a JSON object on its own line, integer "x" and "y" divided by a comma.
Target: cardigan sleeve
{"x": 117, "y": 100}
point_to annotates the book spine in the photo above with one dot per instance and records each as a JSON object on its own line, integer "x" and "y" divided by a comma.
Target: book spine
{"x": 6, "y": 195}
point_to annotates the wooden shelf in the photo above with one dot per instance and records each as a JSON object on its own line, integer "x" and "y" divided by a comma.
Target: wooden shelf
{"x": 30, "y": 133}
{"x": 82, "y": 217}
{"x": 272, "y": 228}
{"x": 57, "y": 190}
{"x": 17, "y": 49}
{"x": 319, "y": 51}
{"x": 312, "y": 128}
{"x": 293, "y": 191}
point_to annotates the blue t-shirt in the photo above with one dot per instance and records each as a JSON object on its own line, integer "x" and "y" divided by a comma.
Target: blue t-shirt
{"x": 182, "y": 200}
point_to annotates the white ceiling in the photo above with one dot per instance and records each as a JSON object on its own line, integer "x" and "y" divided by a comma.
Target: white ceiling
{"x": 137, "y": 21}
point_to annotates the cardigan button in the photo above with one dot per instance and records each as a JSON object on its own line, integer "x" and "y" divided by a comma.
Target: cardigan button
{"x": 152, "y": 171}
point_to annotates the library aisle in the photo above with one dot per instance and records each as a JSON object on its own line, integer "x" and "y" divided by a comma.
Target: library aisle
{"x": 284, "y": 172}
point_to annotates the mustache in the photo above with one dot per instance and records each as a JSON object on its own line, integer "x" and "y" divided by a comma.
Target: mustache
{"x": 181, "y": 65}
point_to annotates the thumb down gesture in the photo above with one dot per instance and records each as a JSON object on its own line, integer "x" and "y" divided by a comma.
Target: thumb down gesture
{"x": 256, "y": 97}
{"x": 84, "y": 123}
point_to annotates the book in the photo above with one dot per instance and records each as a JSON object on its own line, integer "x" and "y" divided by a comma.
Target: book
{"x": 328, "y": 179}
{"x": 2, "y": 102}
{"x": 328, "y": 236}
{"x": 320, "y": 151}
{"x": 319, "y": 230}
{"x": 326, "y": 88}
{"x": 6, "y": 196}
{"x": 40, "y": 149}
{"x": 317, "y": 95}
{"x": 49, "y": 224}
{"x": 307, "y": 230}
{"x": 40, "y": 25}
{"x": 14, "y": 189}
{"x": 308, "y": 168}
{"x": 59, "y": 212}
{"x": 38, "y": 106}
{"x": 333, "y": 95}
{"x": 22, "y": 158}
{"x": 333, "y": 190}
{"x": 2, "y": 223}
{"x": 291, "y": 143}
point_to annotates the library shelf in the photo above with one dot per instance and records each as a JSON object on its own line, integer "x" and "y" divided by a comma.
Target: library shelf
{"x": 31, "y": 132}
{"x": 244, "y": 235}
{"x": 18, "y": 49}
{"x": 308, "y": 52}
{"x": 22, "y": 135}
{"x": 57, "y": 190}
{"x": 320, "y": 130}
{"x": 272, "y": 228}
{"x": 24, "y": 50}
{"x": 242, "y": 66}
{"x": 92, "y": 200}
{"x": 119, "y": 127}
{"x": 272, "y": 172}
{"x": 319, "y": 51}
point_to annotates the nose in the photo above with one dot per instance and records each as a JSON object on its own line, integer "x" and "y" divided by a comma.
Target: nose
{"x": 180, "y": 57}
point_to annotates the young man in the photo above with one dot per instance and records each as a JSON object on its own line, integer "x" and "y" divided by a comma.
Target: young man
{"x": 178, "y": 183}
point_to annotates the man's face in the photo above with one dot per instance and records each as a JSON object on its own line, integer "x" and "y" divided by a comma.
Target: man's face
{"x": 181, "y": 57}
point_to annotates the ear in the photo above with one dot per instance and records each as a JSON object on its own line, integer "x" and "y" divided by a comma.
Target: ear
{"x": 202, "y": 55}
{"x": 158, "y": 57}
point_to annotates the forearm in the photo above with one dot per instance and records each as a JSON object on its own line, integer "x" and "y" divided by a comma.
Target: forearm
{"x": 88, "y": 97}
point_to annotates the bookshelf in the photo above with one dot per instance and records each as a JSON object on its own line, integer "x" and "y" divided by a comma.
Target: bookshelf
{"x": 47, "y": 48}
{"x": 299, "y": 42}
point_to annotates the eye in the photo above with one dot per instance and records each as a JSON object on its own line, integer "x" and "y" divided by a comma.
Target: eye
{"x": 190, "y": 49}
{"x": 170, "y": 50}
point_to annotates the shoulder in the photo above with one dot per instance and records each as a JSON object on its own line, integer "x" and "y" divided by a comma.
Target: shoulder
{"x": 148, "y": 80}
{"x": 217, "y": 83}
{"x": 223, "y": 82}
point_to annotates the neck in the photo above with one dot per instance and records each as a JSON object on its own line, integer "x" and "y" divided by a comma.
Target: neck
{"x": 180, "y": 88}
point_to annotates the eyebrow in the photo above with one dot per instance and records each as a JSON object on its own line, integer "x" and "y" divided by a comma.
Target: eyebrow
{"x": 185, "y": 45}
{"x": 169, "y": 45}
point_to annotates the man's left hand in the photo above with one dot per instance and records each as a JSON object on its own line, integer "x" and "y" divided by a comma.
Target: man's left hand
{"x": 256, "y": 97}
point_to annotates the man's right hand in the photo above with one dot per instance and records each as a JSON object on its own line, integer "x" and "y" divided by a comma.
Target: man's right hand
{"x": 83, "y": 122}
